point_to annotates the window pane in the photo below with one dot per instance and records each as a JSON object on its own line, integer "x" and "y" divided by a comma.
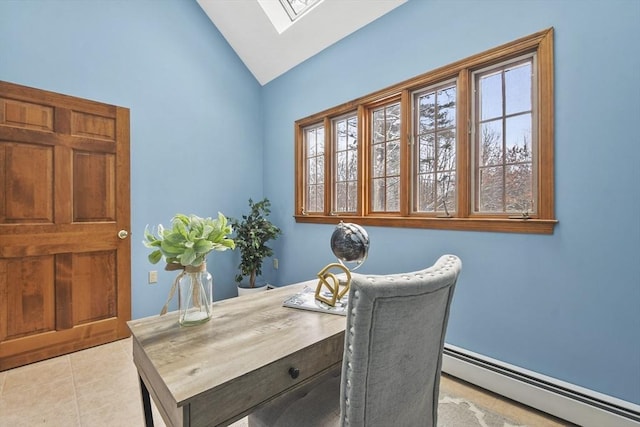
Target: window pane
{"x": 447, "y": 151}
{"x": 315, "y": 198}
{"x": 385, "y": 158}
{"x": 518, "y": 88}
{"x": 352, "y": 130}
{"x": 393, "y": 194}
{"x": 320, "y": 169}
{"x": 506, "y": 141}
{"x": 341, "y": 197}
{"x": 446, "y": 193}
{"x": 378, "y": 126}
{"x": 518, "y": 139}
{"x": 346, "y": 161}
{"x": 352, "y": 160}
{"x": 311, "y": 170}
{"x": 519, "y": 190}
{"x": 378, "y": 194}
{"x": 426, "y": 153}
{"x": 320, "y": 197}
{"x": 320, "y": 143}
{"x": 519, "y": 175}
{"x": 352, "y": 196}
{"x": 352, "y": 133}
{"x": 311, "y": 198}
{"x": 341, "y": 167}
{"x": 426, "y": 112}
{"x": 491, "y": 143}
{"x": 393, "y": 122}
{"x": 378, "y": 159}
{"x": 311, "y": 143}
{"x": 447, "y": 107}
{"x": 426, "y": 192}
{"x": 491, "y": 189}
{"x": 314, "y": 149}
{"x": 393, "y": 158}
{"x": 341, "y": 135}
{"x": 490, "y": 96}
{"x": 435, "y": 112}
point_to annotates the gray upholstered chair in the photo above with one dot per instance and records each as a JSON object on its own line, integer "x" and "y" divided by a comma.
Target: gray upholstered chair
{"x": 390, "y": 372}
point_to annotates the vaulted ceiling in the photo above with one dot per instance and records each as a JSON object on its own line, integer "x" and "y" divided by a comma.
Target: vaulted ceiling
{"x": 268, "y": 52}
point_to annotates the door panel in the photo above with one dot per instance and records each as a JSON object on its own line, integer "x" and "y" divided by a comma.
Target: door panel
{"x": 97, "y": 301}
{"x": 29, "y": 197}
{"x": 94, "y": 187}
{"x": 64, "y": 195}
{"x": 29, "y": 308}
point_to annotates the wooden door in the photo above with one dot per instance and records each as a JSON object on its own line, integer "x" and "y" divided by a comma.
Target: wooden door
{"x": 65, "y": 269}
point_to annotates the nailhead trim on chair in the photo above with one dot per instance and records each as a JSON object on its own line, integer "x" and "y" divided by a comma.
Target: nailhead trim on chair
{"x": 352, "y": 314}
{"x": 440, "y": 270}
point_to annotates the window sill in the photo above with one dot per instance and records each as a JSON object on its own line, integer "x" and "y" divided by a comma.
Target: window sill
{"x": 504, "y": 225}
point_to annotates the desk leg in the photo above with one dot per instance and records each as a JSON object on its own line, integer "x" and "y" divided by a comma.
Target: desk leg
{"x": 146, "y": 404}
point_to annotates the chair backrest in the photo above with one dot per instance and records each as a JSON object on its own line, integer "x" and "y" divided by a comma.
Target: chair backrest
{"x": 393, "y": 346}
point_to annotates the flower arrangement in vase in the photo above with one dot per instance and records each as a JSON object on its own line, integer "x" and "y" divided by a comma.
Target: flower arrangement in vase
{"x": 185, "y": 247}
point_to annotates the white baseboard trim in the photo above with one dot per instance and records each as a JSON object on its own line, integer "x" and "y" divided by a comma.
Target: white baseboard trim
{"x": 563, "y": 400}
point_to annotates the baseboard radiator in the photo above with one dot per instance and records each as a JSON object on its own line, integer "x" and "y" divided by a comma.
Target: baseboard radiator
{"x": 567, "y": 401}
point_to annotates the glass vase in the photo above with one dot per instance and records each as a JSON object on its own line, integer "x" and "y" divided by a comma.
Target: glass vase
{"x": 195, "y": 295}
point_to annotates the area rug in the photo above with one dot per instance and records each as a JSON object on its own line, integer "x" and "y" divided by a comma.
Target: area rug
{"x": 456, "y": 411}
{"x": 463, "y": 405}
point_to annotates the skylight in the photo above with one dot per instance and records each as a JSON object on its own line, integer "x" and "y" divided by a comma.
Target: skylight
{"x": 295, "y": 8}
{"x": 283, "y": 13}
{"x": 270, "y": 43}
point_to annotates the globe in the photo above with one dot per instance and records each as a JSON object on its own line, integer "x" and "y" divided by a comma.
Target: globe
{"x": 350, "y": 244}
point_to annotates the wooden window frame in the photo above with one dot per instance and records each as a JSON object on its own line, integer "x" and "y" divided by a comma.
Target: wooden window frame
{"x": 414, "y": 148}
{"x": 464, "y": 219}
{"x": 475, "y": 144}
{"x": 333, "y": 175}
{"x": 402, "y": 178}
{"x": 304, "y": 160}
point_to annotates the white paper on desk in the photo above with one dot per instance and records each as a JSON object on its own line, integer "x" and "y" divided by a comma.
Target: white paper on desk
{"x": 306, "y": 300}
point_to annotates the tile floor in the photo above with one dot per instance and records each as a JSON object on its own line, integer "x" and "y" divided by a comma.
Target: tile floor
{"x": 94, "y": 387}
{"x": 99, "y": 387}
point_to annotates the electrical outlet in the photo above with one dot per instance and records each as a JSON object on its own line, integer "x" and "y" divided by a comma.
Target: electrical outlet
{"x": 153, "y": 277}
{"x": 275, "y": 263}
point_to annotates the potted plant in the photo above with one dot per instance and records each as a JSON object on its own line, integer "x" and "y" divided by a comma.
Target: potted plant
{"x": 185, "y": 247}
{"x": 252, "y": 233}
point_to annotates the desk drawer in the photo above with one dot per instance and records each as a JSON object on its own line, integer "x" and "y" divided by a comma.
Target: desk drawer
{"x": 244, "y": 393}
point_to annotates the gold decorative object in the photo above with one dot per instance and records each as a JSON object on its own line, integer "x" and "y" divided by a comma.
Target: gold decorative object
{"x": 334, "y": 286}
{"x": 350, "y": 244}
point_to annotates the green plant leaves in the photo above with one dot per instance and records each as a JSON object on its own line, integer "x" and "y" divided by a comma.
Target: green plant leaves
{"x": 203, "y": 246}
{"x": 155, "y": 256}
{"x": 189, "y": 240}
{"x": 252, "y": 232}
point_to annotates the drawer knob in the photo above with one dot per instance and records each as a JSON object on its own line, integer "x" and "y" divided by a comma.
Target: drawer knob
{"x": 294, "y": 372}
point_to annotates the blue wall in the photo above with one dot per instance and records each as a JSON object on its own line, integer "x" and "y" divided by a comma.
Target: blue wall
{"x": 196, "y": 143}
{"x": 565, "y": 305}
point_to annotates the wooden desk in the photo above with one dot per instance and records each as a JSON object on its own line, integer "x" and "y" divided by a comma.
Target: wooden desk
{"x": 216, "y": 373}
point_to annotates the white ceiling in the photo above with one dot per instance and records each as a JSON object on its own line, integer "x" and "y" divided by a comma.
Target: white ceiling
{"x": 268, "y": 53}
